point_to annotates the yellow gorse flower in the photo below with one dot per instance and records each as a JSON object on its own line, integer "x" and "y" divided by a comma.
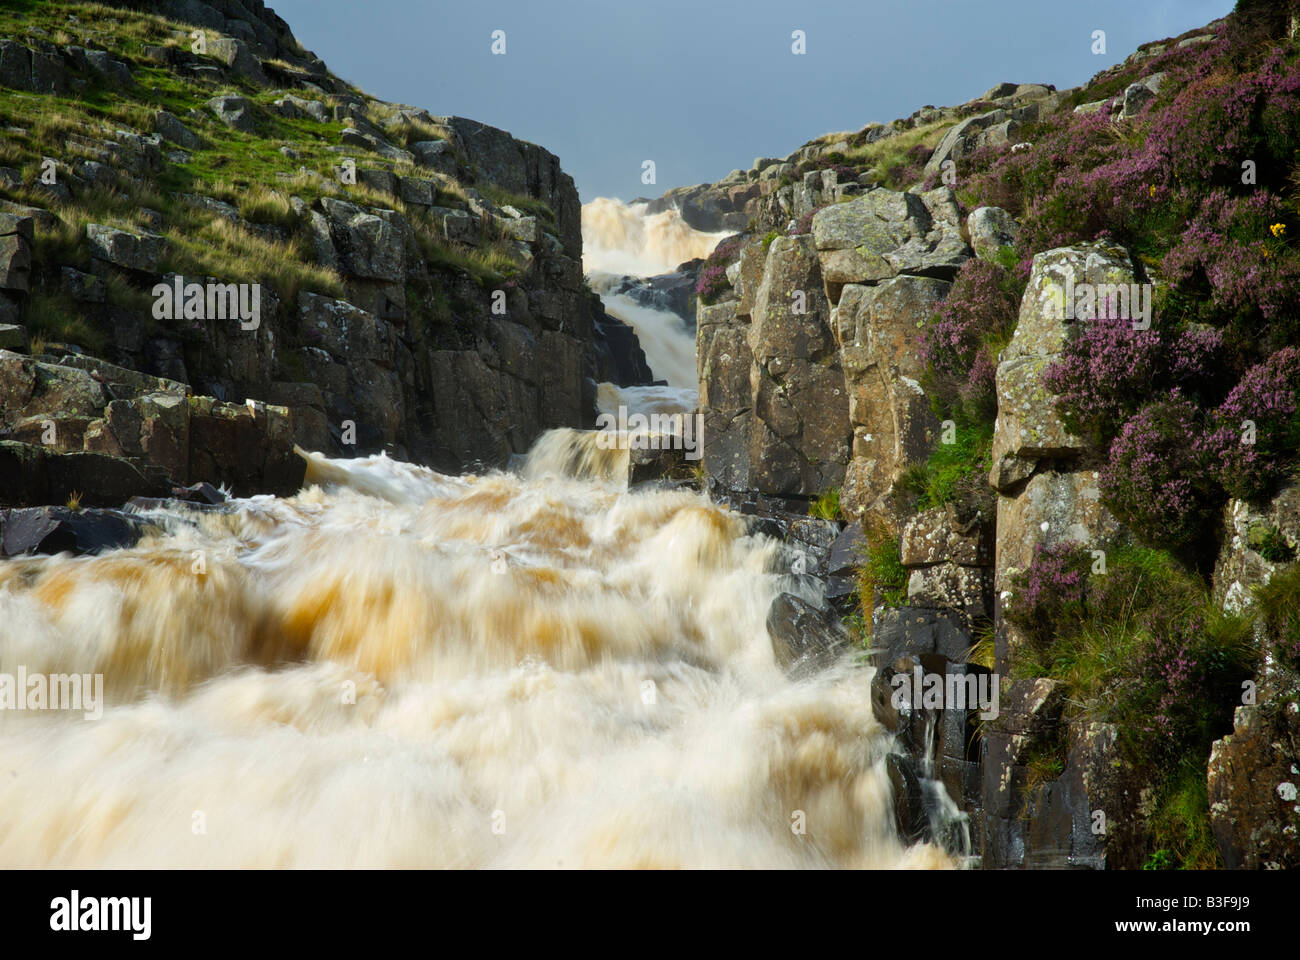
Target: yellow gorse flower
{"x": 1152, "y": 190}
{"x": 1277, "y": 229}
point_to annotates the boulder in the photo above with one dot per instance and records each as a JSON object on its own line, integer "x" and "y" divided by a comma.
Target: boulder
{"x": 884, "y": 233}
{"x": 369, "y": 245}
{"x": 804, "y": 638}
{"x": 967, "y": 136}
{"x": 131, "y": 251}
{"x": 234, "y": 111}
{"x": 50, "y": 530}
{"x": 991, "y": 231}
{"x": 238, "y": 58}
{"x": 1028, "y": 426}
{"x": 169, "y": 126}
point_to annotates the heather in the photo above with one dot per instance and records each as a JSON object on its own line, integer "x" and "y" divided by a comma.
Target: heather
{"x": 1158, "y": 479}
{"x": 1110, "y": 369}
{"x": 712, "y": 280}
{"x": 1202, "y": 187}
{"x": 960, "y": 343}
{"x": 1170, "y": 184}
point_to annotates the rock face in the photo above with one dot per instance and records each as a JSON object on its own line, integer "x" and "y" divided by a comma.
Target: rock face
{"x": 799, "y": 441}
{"x": 1254, "y": 783}
{"x": 830, "y": 323}
{"x": 893, "y": 426}
{"x": 1254, "y": 772}
{"x": 144, "y": 431}
{"x": 398, "y": 331}
{"x": 1028, "y": 427}
{"x": 1258, "y": 539}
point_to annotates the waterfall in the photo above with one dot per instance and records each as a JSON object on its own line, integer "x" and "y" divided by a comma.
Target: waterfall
{"x": 400, "y": 668}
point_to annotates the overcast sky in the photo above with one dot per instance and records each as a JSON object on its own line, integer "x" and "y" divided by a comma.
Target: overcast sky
{"x": 704, "y": 86}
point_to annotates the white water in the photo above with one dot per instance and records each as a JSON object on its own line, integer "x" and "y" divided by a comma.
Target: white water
{"x": 400, "y": 668}
{"x": 620, "y": 238}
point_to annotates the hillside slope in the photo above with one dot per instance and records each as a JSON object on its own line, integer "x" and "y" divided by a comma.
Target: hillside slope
{"x": 1040, "y": 354}
{"x": 417, "y": 278}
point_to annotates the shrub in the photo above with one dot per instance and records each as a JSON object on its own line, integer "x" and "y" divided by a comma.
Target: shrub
{"x": 1158, "y": 480}
{"x": 1110, "y": 369}
{"x": 712, "y": 281}
{"x": 1268, "y": 396}
{"x": 959, "y": 343}
{"x": 1049, "y": 596}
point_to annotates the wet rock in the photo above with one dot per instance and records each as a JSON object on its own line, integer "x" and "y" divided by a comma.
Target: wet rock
{"x": 919, "y": 632}
{"x": 804, "y": 638}
{"x": 909, "y": 810}
{"x": 50, "y": 530}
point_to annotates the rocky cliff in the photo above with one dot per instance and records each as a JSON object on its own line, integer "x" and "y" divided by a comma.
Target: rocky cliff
{"x": 1018, "y": 350}
{"x": 410, "y": 282}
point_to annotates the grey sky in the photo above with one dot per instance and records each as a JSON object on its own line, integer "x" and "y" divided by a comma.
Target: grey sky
{"x": 704, "y": 86}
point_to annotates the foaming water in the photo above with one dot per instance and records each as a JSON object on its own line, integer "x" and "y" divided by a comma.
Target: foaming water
{"x": 621, "y": 238}
{"x": 398, "y": 668}
{"x": 669, "y": 346}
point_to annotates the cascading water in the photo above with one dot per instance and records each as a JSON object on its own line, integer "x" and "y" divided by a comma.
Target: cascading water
{"x": 619, "y": 239}
{"x": 402, "y": 668}
{"x": 399, "y": 668}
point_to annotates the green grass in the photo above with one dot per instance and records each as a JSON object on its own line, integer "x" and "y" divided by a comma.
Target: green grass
{"x": 954, "y": 471}
{"x": 530, "y": 206}
{"x": 882, "y": 578}
{"x": 826, "y": 506}
{"x": 1180, "y": 827}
